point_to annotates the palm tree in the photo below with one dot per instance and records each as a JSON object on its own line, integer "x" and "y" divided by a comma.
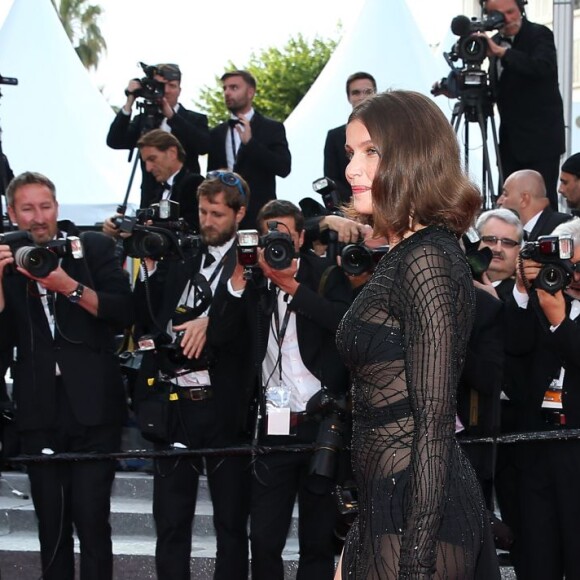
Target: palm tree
{"x": 79, "y": 19}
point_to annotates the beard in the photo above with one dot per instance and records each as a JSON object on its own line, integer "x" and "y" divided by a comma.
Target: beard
{"x": 213, "y": 237}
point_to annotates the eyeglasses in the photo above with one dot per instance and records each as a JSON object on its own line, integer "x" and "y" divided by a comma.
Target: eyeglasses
{"x": 358, "y": 92}
{"x": 228, "y": 178}
{"x": 493, "y": 240}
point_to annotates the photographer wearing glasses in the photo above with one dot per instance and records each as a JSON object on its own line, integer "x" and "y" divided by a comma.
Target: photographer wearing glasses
{"x": 190, "y": 393}
{"x": 159, "y": 92}
{"x": 502, "y": 232}
{"x": 542, "y": 336}
{"x": 288, "y": 306}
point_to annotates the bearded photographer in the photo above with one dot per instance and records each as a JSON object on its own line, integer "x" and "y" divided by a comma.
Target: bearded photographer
{"x": 289, "y": 315}
{"x": 201, "y": 385}
{"x": 524, "y": 80}
{"x": 190, "y": 128}
{"x": 68, "y": 391}
{"x": 542, "y": 337}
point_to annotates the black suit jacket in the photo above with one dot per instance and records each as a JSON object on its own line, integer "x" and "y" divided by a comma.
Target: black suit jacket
{"x": 190, "y": 128}
{"x": 183, "y": 191}
{"x": 546, "y": 223}
{"x": 480, "y": 383}
{"x": 229, "y": 354}
{"x": 259, "y": 161}
{"x": 540, "y": 354}
{"x": 335, "y": 161}
{"x": 528, "y": 97}
{"x": 318, "y": 313}
{"x": 83, "y": 346}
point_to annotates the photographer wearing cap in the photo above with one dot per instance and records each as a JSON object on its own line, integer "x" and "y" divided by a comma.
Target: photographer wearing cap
{"x": 289, "y": 312}
{"x": 524, "y": 79}
{"x": 542, "y": 334}
{"x": 199, "y": 386}
{"x": 61, "y": 314}
{"x": 190, "y": 128}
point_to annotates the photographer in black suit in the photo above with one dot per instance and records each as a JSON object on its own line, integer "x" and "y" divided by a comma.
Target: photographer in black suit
{"x": 68, "y": 391}
{"x": 202, "y": 385}
{"x": 524, "y": 79}
{"x": 164, "y": 159}
{"x": 190, "y": 128}
{"x": 289, "y": 316}
{"x": 542, "y": 336}
{"x": 359, "y": 86}
{"x": 524, "y": 192}
{"x": 249, "y": 143}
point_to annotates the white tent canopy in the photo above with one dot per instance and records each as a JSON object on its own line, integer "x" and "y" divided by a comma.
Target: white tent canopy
{"x": 55, "y": 121}
{"x": 385, "y": 41}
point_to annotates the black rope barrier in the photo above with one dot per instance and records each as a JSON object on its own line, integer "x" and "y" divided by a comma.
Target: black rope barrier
{"x": 162, "y": 453}
{"x": 511, "y": 438}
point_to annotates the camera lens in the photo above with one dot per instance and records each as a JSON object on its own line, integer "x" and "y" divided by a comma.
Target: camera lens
{"x": 39, "y": 262}
{"x": 552, "y": 279}
{"x": 147, "y": 245}
{"x": 279, "y": 254}
{"x": 356, "y": 259}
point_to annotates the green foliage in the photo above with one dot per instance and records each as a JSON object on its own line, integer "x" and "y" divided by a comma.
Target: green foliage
{"x": 283, "y": 77}
{"x": 79, "y": 20}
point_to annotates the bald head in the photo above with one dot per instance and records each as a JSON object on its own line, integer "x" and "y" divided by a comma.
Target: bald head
{"x": 524, "y": 192}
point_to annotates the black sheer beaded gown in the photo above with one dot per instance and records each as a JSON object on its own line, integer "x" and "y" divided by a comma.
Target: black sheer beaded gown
{"x": 421, "y": 511}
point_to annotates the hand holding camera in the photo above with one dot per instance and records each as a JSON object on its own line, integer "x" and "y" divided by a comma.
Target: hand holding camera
{"x": 193, "y": 336}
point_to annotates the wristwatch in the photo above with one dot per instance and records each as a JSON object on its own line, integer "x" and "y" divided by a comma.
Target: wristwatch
{"x": 76, "y": 295}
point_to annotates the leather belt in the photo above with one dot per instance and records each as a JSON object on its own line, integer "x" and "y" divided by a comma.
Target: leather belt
{"x": 194, "y": 393}
{"x": 299, "y": 418}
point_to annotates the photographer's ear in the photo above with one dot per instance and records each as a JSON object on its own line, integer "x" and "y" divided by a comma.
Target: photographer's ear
{"x": 241, "y": 214}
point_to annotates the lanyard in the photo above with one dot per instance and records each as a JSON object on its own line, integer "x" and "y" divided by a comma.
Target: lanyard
{"x": 280, "y": 332}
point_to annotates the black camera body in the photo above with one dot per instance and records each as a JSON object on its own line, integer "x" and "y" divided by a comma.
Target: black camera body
{"x": 555, "y": 253}
{"x": 278, "y": 248}
{"x": 472, "y": 51}
{"x": 151, "y": 90}
{"x": 40, "y": 260}
{"x": 356, "y": 259}
{"x": 159, "y": 233}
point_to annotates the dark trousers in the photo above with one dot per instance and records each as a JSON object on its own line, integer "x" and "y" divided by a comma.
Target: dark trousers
{"x": 76, "y": 493}
{"x": 548, "y": 167}
{"x": 550, "y": 510}
{"x": 198, "y": 424}
{"x": 278, "y": 479}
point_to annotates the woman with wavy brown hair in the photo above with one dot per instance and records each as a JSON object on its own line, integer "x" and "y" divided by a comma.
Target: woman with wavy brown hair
{"x": 421, "y": 512}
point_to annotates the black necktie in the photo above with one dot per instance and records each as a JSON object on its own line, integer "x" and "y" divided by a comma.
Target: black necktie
{"x": 166, "y": 187}
{"x": 526, "y": 235}
{"x": 208, "y": 259}
{"x": 232, "y": 123}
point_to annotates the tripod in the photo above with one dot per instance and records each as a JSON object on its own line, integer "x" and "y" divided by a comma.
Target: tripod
{"x": 475, "y": 106}
{"x": 151, "y": 119}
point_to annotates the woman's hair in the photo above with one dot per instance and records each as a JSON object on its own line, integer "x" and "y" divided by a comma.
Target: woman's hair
{"x": 419, "y": 173}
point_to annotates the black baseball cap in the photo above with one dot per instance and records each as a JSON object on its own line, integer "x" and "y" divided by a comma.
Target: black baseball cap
{"x": 170, "y": 72}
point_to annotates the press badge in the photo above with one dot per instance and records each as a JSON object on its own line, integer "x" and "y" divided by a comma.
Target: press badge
{"x": 278, "y": 410}
{"x": 277, "y": 421}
